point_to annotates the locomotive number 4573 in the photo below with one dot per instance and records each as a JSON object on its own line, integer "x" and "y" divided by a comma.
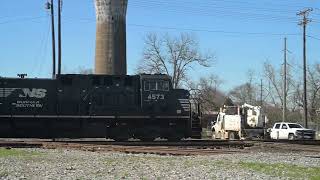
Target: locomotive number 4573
{"x": 156, "y": 97}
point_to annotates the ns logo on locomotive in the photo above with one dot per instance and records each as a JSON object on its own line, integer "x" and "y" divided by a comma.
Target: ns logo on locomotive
{"x": 36, "y": 93}
{"x": 25, "y": 92}
{"x": 94, "y": 106}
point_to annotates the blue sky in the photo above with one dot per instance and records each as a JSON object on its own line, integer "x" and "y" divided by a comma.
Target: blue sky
{"x": 241, "y": 33}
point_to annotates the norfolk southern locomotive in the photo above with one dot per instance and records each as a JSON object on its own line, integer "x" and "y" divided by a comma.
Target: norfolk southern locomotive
{"x": 94, "y": 106}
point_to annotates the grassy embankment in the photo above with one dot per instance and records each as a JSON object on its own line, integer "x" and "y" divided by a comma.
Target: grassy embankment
{"x": 16, "y": 153}
{"x": 284, "y": 170}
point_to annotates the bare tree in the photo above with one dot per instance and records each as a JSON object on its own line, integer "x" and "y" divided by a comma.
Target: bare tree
{"x": 247, "y": 92}
{"x": 294, "y": 91}
{"x": 174, "y": 56}
{"x": 274, "y": 78}
{"x": 275, "y": 84}
{"x": 83, "y": 70}
{"x": 210, "y": 95}
{"x": 207, "y": 93}
{"x": 314, "y": 91}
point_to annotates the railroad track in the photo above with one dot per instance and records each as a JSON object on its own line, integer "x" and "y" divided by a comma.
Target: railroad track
{"x": 161, "y": 150}
{"x": 188, "y": 147}
{"x": 288, "y": 146}
{"x": 301, "y": 142}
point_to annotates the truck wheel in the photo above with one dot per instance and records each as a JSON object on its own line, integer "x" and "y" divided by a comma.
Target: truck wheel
{"x": 291, "y": 137}
{"x": 213, "y": 135}
{"x": 231, "y": 136}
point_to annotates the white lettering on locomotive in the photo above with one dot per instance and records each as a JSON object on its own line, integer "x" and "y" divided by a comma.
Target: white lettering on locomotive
{"x": 25, "y": 92}
{"x": 33, "y": 93}
{"x": 156, "y": 97}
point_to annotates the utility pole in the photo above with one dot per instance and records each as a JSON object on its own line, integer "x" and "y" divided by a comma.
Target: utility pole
{"x": 261, "y": 94}
{"x": 263, "y": 109}
{"x": 304, "y": 23}
{"x": 284, "y": 107}
{"x": 59, "y": 36}
{"x": 49, "y": 5}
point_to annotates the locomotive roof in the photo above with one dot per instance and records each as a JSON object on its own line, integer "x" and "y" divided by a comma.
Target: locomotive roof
{"x": 26, "y": 78}
{"x": 142, "y": 76}
{"x": 91, "y": 75}
{"x": 155, "y": 76}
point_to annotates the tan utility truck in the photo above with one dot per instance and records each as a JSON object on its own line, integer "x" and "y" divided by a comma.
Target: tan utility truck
{"x": 238, "y": 122}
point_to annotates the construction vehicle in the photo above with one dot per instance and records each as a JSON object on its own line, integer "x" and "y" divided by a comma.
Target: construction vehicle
{"x": 239, "y": 122}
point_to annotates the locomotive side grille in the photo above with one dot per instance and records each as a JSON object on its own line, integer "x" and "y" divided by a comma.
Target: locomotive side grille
{"x": 5, "y": 92}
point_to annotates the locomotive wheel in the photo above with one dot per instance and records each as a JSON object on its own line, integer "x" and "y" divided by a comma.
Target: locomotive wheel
{"x": 145, "y": 139}
{"x": 174, "y": 139}
{"x": 120, "y": 139}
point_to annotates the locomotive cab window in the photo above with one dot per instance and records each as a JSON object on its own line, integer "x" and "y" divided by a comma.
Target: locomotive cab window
{"x": 150, "y": 85}
{"x": 153, "y": 85}
{"x": 156, "y": 85}
{"x": 163, "y": 86}
{"x": 147, "y": 86}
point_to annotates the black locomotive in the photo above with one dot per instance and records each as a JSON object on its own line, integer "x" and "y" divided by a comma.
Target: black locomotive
{"x": 94, "y": 106}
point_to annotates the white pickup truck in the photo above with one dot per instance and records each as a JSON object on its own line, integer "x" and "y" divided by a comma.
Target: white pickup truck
{"x": 291, "y": 131}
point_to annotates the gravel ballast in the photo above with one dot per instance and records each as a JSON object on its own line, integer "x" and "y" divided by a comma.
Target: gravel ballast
{"x": 75, "y": 164}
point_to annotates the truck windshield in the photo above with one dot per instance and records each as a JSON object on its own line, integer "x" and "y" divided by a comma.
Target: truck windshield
{"x": 295, "y": 126}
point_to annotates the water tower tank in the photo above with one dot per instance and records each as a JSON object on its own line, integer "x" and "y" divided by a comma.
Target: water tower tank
{"x": 110, "y": 57}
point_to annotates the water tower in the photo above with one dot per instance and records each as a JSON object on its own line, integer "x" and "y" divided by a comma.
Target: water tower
{"x": 110, "y": 57}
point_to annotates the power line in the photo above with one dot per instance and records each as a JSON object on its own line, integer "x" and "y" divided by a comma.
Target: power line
{"x": 42, "y": 43}
{"x": 202, "y": 6}
{"x": 237, "y": 4}
{"x": 209, "y": 7}
{"x": 22, "y": 19}
{"x": 45, "y": 51}
{"x": 216, "y": 9}
{"x": 214, "y": 31}
{"x": 4, "y": 17}
{"x": 313, "y": 37}
{"x": 220, "y": 13}
{"x": 191, "y": 29}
